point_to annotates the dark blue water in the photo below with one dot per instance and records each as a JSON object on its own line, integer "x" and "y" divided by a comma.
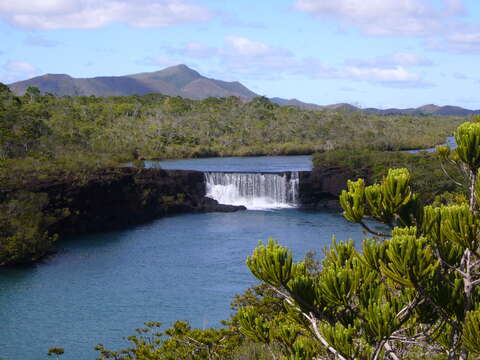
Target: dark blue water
{"x": 240, "y": 164}
{"x": 100, "y": 287}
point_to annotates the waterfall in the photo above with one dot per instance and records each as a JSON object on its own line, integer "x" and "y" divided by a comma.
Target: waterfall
{"x": 254, "y": 190}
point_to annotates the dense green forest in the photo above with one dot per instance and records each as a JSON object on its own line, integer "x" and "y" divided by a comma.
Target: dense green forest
{"x": 46, "y": 134}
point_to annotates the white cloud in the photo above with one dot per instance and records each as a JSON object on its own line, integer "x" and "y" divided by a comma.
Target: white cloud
{"x": 252, "y": 58}
{"x": 397, "y": 74}
{"x": 436, "y": 21}
{"x": 51, "y": 7}
{"x": 19, "y": 67}
{"x": 465, "y": 38}
{"x": 16, "y": 70}
{"x": 385, "y": 17}
{"x": 241, "y": 46}
{"x": 393, "y": 60}
{"x": 241, "y": 57}
{"x": 392, "y": 76}
{"x": 238, "y": 55}
{"x": 455, "y": 7}
{"x": 91, "y": 14}
{"x": 460, "y": 38}
{"x": 197, "y": 50}
{"x": 464, "y": 41}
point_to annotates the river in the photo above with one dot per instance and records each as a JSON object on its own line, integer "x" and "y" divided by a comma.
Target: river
{"x": 98, "y": 288}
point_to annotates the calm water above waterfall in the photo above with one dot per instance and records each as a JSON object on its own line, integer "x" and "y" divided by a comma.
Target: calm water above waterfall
{"x": 247, "y": 180}
{"x": 239, "y": 164}
{"x": 100, "y": 287}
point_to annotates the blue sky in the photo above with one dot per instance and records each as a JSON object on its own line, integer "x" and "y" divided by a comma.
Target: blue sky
{"x": 381, "y": 53}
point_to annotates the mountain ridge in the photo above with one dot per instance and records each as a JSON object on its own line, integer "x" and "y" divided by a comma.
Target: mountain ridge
{"x": 177, "y": 80}
{"x": 180, "y": 80}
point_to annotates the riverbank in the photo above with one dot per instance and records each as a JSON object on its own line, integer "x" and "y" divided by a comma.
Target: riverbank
{"x": 41, "y": 210}
{"x": 37, "y": 210}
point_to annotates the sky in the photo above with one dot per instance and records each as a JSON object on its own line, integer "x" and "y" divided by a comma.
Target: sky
{"x": 369, "y": 53}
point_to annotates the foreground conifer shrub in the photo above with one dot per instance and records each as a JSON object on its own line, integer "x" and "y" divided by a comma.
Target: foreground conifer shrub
{"x": 410, "y": 292}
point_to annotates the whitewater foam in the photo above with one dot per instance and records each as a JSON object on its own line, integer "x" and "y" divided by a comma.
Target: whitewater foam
{"x": 256, "y": 191}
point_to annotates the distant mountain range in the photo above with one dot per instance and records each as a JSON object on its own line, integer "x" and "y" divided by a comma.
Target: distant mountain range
{"x": 177, "y": 80}
{"x": 180, "y": 80}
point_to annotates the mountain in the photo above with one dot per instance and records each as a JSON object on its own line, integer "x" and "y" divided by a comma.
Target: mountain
{"x": 342, "y": 107}
{"x": 177, "y": 80}
{"x": 180, "y": 80}
{"x": 429, "y": 109}
{"x": 296, "y": 103}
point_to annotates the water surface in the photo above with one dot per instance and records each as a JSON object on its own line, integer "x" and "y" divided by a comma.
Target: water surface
{"x": 101, "y": 287}
{"x": 239, "y": 164}
{"x": 450, "y": 141}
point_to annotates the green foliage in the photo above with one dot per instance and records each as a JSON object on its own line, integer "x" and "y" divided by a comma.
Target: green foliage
{"x": 253, "y": 325}
{"x": 23, "y": 227}
{"x": 390, "y": 202}
{"x": 178, "y": 342}
{"x": 355, "y": 304}
{"x": 353, "y": 200}
{"x": 51, "y": 129}
{"x": 427, "y": 177}
{"x": 411, "y": 261}
{"x": 467, "y": 138}
{"x": 273, "y": 264}
{"x": 414, "y": 294}
{"x": 460, "y": 226}
{"x": 471, "y": 335}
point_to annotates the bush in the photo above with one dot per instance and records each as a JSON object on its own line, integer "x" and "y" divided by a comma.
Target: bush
{"x": 23, "y": 228}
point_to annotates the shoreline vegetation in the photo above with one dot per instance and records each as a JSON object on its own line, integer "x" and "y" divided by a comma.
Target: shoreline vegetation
{"x": 411, "y": 292}
{"x": 46, "y": 139}
{"x": 49, "y": 135}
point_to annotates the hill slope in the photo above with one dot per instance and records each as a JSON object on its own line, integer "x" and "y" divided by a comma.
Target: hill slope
{"x": 177, "y": 80}
{"x": 180, "y": 80}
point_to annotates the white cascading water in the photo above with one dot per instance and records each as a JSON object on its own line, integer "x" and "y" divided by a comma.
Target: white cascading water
{"x": 253, "y": 190}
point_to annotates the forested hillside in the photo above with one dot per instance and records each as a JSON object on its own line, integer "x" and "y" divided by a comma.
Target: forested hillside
{"x": 46, "y": 133}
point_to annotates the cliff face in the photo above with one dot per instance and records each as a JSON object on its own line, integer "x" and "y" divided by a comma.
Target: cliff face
{"x": 121, "y": 197}
{"x": 320, "y": 188}
{"x": 115, "y": 198}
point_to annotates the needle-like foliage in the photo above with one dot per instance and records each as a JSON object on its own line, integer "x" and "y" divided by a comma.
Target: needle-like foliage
{"x": 412, "y": 291}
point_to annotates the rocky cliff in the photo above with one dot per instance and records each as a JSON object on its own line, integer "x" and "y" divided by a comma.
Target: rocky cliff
{"x": 120, "y": 197}
{"x": 320, "y": 188}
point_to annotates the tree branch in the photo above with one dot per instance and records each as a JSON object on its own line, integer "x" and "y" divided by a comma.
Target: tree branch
{"x": 376, "y": 233}
{"x": 313, "y": 321}
{"x": 390, "y": 352}
{"x": 449, "y": 176}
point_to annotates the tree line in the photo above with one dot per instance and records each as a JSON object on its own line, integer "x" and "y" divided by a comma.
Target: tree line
{"x": 44, "y": 133}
